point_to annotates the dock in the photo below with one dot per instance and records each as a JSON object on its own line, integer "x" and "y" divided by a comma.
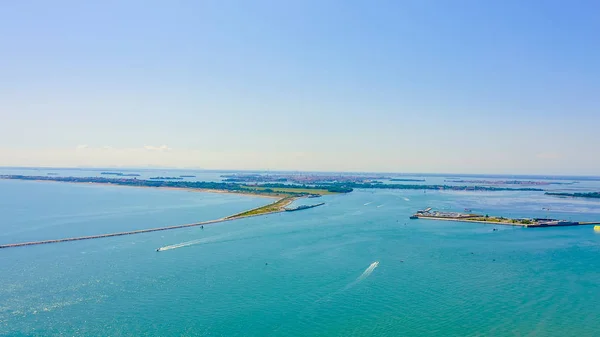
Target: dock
{"x": 302, "y": 207}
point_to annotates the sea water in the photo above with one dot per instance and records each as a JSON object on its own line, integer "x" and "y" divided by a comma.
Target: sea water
{"x": 351, "y": 267}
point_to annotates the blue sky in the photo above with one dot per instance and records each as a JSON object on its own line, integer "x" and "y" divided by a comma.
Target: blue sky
{"x": 404, "y": 86}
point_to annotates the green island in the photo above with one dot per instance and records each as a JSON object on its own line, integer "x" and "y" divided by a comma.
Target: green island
{"x": 406, "y": 179}
{"x": 264, "y": 189}
{"x": 346, "y": 187}
{"x": 594, "y": 195}
{"x": 120, "y": 174}
{"x": 430, "y": 214}
{"x": 165, "y": 178}
{"x": 278, "y": 191}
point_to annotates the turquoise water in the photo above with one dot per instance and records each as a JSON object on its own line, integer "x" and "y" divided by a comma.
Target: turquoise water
{"x": 293, "y": 274}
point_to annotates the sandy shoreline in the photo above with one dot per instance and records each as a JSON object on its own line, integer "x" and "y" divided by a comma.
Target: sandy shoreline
{"x": 202, "y": 190}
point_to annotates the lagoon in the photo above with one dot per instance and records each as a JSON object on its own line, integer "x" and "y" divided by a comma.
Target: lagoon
{"x": 293, "y": 273}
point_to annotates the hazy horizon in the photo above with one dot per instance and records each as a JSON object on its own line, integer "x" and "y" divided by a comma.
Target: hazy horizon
{"x": 418, "y": 86}
{"x": 275, "y": 171}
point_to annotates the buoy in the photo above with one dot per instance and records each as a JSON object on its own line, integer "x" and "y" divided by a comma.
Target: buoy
{"x": 597, "y": 228}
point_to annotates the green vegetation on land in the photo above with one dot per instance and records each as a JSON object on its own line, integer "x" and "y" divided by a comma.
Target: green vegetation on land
{"x": 267, "y": 189}
{"x": 277, "y": 206}
{"x": 279, "y": 190}
{"x": 290, "y": 190}
{"x": 331, "y": 188}
{"x": 434, "y": 187}
{"x": 595, "y": 195}
{"x": 501, "y": 220}
{"x": 402, "y": 179}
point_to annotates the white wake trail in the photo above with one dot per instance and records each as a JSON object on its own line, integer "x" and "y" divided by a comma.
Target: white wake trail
{"x": 368, "y": 271}
{"x": 406, "y": 199}
{"x": 180, "y": 245}
{"x": 368, "y": 203}
{"x": 203, "y": 240}
{"x": 363, "y": 276}
{"x": 381, "y": 205}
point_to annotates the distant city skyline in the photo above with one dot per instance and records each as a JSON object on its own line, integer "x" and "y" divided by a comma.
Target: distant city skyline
{"x": 505, "y": 87}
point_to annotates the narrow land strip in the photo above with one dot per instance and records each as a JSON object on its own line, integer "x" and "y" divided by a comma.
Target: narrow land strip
{"x": 276, "y": 207}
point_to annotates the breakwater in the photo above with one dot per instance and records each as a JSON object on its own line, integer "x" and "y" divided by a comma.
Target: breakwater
{"x": 140, "y": 231}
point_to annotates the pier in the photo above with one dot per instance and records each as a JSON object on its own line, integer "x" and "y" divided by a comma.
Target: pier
{"x": 276, "y": 207}
{"x": 139, "y": 231}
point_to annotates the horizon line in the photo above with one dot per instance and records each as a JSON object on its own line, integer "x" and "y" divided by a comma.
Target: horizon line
{"x": 83, "y": 168}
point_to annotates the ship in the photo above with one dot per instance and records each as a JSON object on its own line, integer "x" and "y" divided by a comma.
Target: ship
{"x": 544, "y": 222}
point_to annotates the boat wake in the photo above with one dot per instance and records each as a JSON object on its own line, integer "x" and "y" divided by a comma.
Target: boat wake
{"x": 364, "y": 275}
{"x": 406, "y": 199}
{"x": 181, "y": 245}
{"x": 368, "y": 203}
{"x": 368, "y": 271}
{"x": 381, "y": 205}
{"x": 210, "y": 239}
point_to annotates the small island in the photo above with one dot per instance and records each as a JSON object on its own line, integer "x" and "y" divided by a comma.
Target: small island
{"x": 508, "y": 182}
{"x": 120, "y": 174}
{"x": 430, "y": 214}
{"x": 593, "y": 195}
{"x": 165, "y": 178}
{"x": 402, "y": 179}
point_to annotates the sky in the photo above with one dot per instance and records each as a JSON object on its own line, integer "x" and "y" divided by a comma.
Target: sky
{"x": 461, "y": 86}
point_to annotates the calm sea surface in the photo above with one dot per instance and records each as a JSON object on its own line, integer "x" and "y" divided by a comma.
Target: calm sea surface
{"x": 307, "y": 273}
